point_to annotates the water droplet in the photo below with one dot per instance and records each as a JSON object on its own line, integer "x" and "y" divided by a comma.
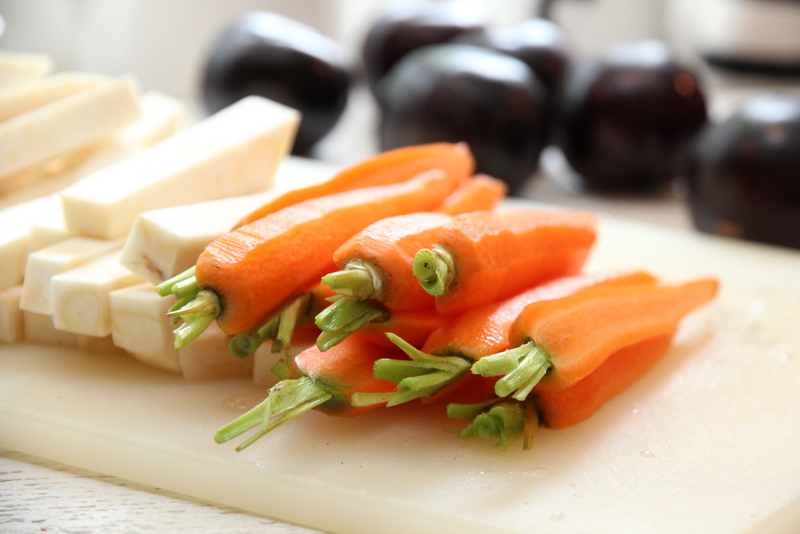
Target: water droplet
{"x": 647, "y": 454}
{"x": 635, "y": 407}
{"x": 783, "y": 357}
{"x": 557, "y": 518}
{"x": 536, "y": 472}
{"x": 239, "y": 403}
{"x": 757, "y": 307}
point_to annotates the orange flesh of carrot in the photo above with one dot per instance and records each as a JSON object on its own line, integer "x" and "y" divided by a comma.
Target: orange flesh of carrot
{"x": 414, "y": 327}
{"x": 480, "y": 193}
{"x": 570, "y": 406}
{"x": 343, "y": 370}
{"x": 390, "y": 167}
{"x": 257, "y": 267}
{"x": 580, "y": 331}
{"x": 498, "y": 254}
{"x": 390, "y": 245}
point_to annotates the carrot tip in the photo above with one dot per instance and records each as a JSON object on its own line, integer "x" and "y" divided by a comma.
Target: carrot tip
{"x": 344, "y": 317}
{"x": 435, "y": 270}
{"x": 504, "y": 421}
{"x": 359, "y": 279}
{"x": 523, "y": 367}
{"x": 279, "y": 328}
{"x": 167, "y": 287}
{"x": 197, "y": 315}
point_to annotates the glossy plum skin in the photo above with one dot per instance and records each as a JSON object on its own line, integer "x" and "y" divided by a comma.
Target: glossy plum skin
{"x": 407, "y": 26}
{"x": 626, "y": 120}
{"x": 457, "y": 92}
{"x": 744, "y": 173}
{"x": 269, "y": 55}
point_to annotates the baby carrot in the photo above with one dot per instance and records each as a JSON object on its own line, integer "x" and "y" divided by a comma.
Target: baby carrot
{"x": 506, "y": 419}
{"x": 483, "y": 257}
{"x": 481, "y": 193}
{"x": 556, "y": 343}
{"x": 442, "y": 363}
{"x": 322, "y": 381}
{"x": 390, "y": 167}
{"x": 246, "y": 275}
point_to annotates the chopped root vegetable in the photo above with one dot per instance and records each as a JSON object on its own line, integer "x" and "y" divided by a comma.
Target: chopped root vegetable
{"x": 481, "y": 193}
{"x": 483, "y": 257}
{"x": 324, "y": 381}
{"x": 443, "y": 361}
{"x": 507, "y": 419}
{"x": 556, "y": 343}
{"x": 245, "y": 276}
{"x": 390, "y": 167}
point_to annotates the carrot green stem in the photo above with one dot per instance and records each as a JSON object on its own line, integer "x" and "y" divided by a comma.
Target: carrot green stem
{"x": 344, "y": 317}
{"x": 279, "y": 328}
{"x": 435, "y": 270}
{"x": 523, "y": 367}
{"x": 197, "y": 314}
{"x": 359, "y": 280}
{"x": 166, "y": 287}
{"x": 502, "y": 420}
{"x": 286, "y": 400}
{"x": 423, "y": 375}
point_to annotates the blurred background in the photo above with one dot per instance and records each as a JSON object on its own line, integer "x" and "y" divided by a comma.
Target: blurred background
{"x": 732, "y": 51}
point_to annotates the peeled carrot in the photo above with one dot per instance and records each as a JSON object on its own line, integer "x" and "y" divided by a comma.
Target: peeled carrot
{"x": 483, "y": 257}
{"x": 481, "y": 193}
{"x": 322, "y": 381}
{"x": 390, "y": 167}
{"x": 506, "y": 419}
{"x": 245, "y": 276}
{"x": 438, "y": 368}
{"x": 556, "y": 343}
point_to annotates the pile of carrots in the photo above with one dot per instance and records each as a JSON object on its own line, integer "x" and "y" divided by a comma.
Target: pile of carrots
{"x": 417, "y": 286}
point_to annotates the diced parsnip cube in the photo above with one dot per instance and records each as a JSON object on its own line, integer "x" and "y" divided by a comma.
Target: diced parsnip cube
{"x": 234, "y": 152}
{"x": 139, "y": 324}
{"x": 11, "y": 318}
{"x": 44, "y": 264}
{"x": 166, "y": 242}
{"x": 39, "y": 329}
{"x": 99, "y": 345}
{"x": 23, "y": 97}
{"x": 67, "y": 124}
{"x": 16, "y": 68}
{"x": 162, "y": 117}
{"x": 79, "y": 297}
{"x": 207, "y": 358}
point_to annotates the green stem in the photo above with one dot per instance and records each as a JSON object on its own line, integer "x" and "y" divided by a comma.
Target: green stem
{"x": 502, "y": 420}
{"x": 523, "y": 367}
{"x": 423, "y": 376}
{"x": 435, "y": 270}
{"x": 197, "y": 314}
{"x": 286, "y": 400}
{"x": 360, "y": 280}
{"x": 165, "y": 287}
{"x": 344, "y": 317}
{"x": 279, "y": 328}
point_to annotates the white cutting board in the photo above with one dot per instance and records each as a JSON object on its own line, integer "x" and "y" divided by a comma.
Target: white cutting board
{"x": 708, "y": 441}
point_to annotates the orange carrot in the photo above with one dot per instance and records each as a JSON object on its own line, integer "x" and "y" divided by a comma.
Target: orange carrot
{"x": 483, "y": 257}
{"x": 322, "y": 381}
{"x": 245, "y": 276}
{"x": 481, "y": 193}
{"x": 504, "y": 419}
{"x": 556, "y": 343}
{"x": 390, "y": 167}
{"x": 443, "y": 362}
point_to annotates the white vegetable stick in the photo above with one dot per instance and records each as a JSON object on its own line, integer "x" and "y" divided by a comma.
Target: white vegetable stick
{"x": 11, "y": 318}
{"x": 234, "y": 152}
{"x": 43, "y": 264}
{"x": 207, "y": 358}
{"x": 23, "y": 97}
{"x": 139, "y": 324}
{"x": 99, "y": 345}
{"x": 79, "y": 297}
{"x": 39, "y": 329}
{"x": 67, "y": 124}
{"x": 18, "y": 68}
{"x": 162, "y": 117}
{"x": 166, "y": 242}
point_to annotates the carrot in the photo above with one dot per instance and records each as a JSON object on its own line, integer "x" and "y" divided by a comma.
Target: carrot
{"x": 556, "y": 343}
{"x": 506, "y": 419}
{"x": 441, "y": 365}
{"x": 322, "y": 381}
{"x": 390, "y": 167}
{"x": 483, "y": 257}
{"x": 481, "y": 193}
{"x": 248, "y": 274}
